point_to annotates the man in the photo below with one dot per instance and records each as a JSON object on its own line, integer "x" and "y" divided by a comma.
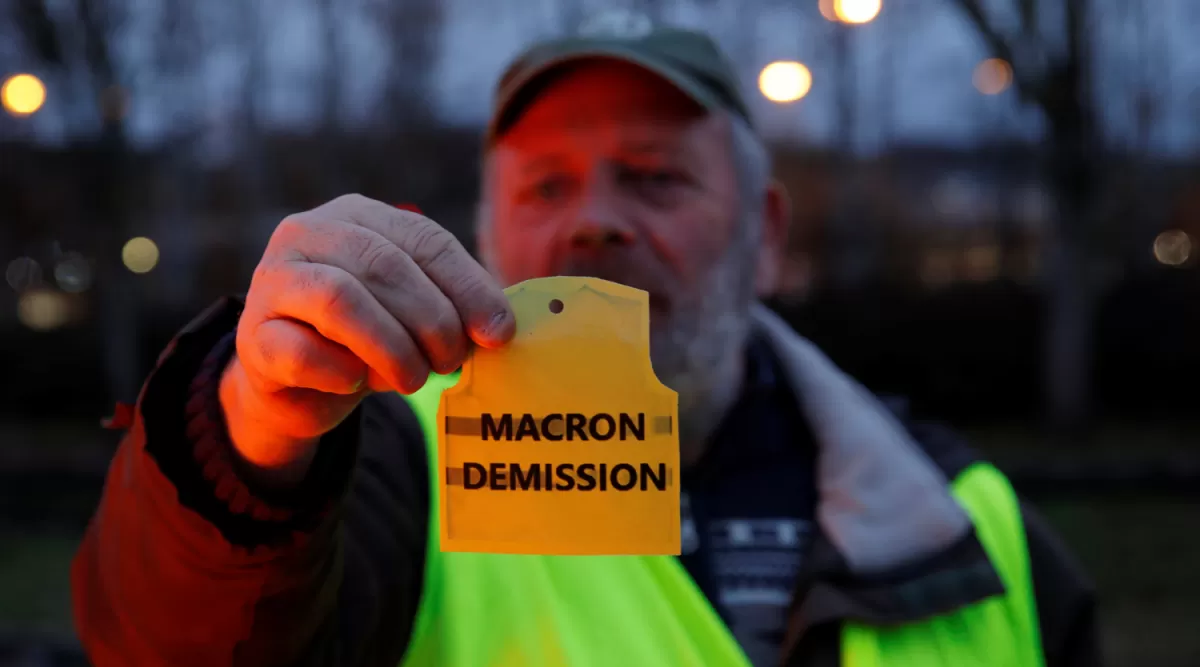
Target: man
{"x": 271, "y": 503}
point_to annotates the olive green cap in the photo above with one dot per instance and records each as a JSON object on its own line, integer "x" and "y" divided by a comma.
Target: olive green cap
{"x": 689, "y": 60}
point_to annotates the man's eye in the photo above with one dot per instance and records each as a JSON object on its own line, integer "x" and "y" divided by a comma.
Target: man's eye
{"x": 656, "y": 185}
{"x": 551, "y": 189}
{"x": 654, "y": 178}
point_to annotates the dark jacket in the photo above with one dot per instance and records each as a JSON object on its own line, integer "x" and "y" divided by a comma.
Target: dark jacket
{"x": 185, "y": 564}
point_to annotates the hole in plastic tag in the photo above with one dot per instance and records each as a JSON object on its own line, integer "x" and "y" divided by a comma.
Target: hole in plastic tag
{"x": 563, "y": 441}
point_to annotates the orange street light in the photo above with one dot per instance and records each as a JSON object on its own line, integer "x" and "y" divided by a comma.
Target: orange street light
{"x": 992, "y": 76}
{"x": 854, "y": 12}
{"x": 784, "y": 81}
{"x": 22, "y": 94}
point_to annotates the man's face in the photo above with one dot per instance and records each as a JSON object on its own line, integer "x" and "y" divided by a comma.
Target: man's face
{"x": 613, "y": 173}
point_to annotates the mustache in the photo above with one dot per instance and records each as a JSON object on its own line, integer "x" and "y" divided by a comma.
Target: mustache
{"x": 642, "y": 274}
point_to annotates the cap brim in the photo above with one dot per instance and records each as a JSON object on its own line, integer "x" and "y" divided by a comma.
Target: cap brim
{"x": 687, "y": 83}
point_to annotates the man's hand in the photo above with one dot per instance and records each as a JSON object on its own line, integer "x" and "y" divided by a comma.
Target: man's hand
{"x": 352, "y": 297}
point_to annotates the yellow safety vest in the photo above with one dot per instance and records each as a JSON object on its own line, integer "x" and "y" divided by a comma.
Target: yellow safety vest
{"x": 497, "y": 610}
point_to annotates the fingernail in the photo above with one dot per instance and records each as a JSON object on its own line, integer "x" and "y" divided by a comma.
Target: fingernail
{"x": 497, "y": 321}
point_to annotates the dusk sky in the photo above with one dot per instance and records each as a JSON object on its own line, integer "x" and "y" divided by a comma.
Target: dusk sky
{"x": 915, "y": 64}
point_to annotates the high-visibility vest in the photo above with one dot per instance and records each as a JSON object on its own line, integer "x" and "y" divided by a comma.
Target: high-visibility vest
{"x": 500, "y": 610}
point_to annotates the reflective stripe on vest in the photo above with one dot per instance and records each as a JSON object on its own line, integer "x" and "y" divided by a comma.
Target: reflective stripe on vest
{"x": 499, "y": 610}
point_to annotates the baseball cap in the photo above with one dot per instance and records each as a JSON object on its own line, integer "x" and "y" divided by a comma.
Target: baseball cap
{"x": 687, "y": 59}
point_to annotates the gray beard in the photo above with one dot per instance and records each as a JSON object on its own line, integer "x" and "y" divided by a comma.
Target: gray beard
{"x": 699, "y": 350}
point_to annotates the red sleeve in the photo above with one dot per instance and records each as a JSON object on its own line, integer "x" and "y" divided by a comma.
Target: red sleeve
{"x": 185, "y": 564}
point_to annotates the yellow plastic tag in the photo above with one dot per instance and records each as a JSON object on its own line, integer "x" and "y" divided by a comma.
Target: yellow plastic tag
{"x": 563, "y": 441}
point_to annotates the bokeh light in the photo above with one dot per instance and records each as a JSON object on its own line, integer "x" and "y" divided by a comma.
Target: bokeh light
{"x": 785, "y": 81}
{"x": 1173, "y": 247}
{"x": 938, "y": 267}
{"x": 140, "y": 255}
{"x": 857, "y": 11}
{"x": 23, "y": 94}
{"x": 992, "y": 76}
{"x": 73, "y": 273}
{"x": 982, "y": 263}
{"x": 43, "y": 309}
{"x": 23, "y": 273}
{"x": 827, "y": 9}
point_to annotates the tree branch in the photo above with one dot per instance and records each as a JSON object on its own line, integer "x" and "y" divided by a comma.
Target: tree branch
{"x": 1078, "y": 67}
{"x": 1077, "y": 49}
{"x": 1001, "y": 47}
{"x": 1028, "y": 10}
{"x": 95, "y": 45}
{"x": 35, "y": 23}
{"x": 995, "y": 41}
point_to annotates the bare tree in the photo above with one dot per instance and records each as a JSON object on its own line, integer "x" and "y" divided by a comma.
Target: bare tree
{"x": 97, "y": 28}
{"x": 412, "y": 29}
{"x": 332, "y": 73}
{"x": 1052, "y": 71}
{"x": 257, "y": 193}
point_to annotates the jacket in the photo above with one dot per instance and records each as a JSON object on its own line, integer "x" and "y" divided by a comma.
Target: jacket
{"x": 185, "y": 563}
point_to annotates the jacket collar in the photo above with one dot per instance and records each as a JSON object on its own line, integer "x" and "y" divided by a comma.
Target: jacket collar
{"x": 882, "y": 501}
{"x": 893, "y": 545}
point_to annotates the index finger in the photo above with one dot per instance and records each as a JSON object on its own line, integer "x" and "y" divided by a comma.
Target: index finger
{"x": 481, "y": 303}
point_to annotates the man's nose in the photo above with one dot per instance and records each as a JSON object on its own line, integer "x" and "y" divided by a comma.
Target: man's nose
{"x": 599, "y": 219}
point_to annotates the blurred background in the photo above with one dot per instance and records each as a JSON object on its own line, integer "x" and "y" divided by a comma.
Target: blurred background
{"x": 997, "y": 217}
